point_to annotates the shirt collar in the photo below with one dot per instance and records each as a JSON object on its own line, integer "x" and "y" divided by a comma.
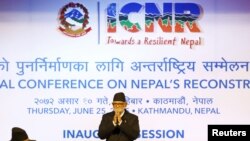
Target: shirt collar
{"x": 123, "y": 113}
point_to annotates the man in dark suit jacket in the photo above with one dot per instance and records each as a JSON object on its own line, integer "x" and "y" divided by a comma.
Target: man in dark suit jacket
{"x": 119, "y": 125}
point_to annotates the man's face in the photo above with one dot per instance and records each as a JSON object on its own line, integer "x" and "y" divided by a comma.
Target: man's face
{"x": 119, "y": 106}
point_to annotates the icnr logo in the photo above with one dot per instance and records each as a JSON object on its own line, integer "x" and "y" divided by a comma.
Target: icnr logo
{"x": 174, "y": 17}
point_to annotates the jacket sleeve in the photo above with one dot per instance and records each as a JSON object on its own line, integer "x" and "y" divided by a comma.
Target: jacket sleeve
{"x": 106, "y": 127}
{"x": 130, "y": 127}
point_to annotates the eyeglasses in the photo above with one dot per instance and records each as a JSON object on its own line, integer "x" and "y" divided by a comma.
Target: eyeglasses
{"x": 118, "y": 104}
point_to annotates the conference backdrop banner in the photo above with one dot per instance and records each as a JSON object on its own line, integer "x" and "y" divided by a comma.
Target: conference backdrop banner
{"x": 183, "y": 65}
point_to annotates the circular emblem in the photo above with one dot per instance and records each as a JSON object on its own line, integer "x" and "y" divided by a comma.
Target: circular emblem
{"x": 74, "y": 19}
